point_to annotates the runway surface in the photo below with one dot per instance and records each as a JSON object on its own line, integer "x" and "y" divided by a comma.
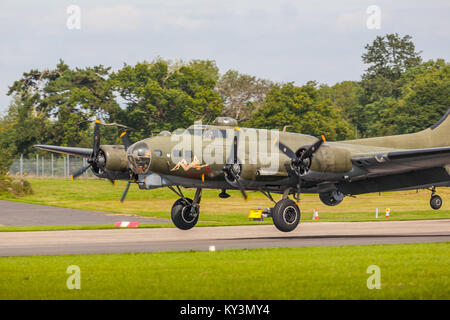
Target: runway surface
{"x": 201, "y": 238}
{"x": 26, "y": 214}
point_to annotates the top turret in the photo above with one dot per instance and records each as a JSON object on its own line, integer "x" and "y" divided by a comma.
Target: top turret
{"x": 225, "y": 121}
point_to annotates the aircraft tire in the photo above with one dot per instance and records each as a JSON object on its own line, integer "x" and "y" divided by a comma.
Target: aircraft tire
{"x": 286, "y": 215}
{"x": 181, "y": 216}
{"x": 436, "y": 202}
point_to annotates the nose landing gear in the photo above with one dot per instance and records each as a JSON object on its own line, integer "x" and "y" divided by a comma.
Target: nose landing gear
{"x": 435, "y": 201}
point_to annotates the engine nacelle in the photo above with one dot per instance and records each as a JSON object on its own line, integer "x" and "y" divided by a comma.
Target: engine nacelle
{"x": 331, "y": 159}
{"x": 249, "y": 172}
{"x": 115, "y": 157}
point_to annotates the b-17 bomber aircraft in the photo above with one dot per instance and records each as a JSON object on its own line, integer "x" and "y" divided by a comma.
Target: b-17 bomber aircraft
{"x": 224, "y": 156}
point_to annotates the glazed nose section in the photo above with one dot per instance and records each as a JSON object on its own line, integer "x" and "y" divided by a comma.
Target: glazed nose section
{"x": 139, "y": 156}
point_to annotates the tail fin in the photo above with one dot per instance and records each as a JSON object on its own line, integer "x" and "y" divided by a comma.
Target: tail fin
{"x": 444, "y": 121}
{"x": 437, "y": 135}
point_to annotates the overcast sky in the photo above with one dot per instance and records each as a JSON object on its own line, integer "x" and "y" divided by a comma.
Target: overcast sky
{"x": 282, "y": 41}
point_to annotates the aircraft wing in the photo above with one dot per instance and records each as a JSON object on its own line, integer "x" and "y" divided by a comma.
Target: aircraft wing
{"x": 403, "y": 160}
{"x": 78, "y": 152}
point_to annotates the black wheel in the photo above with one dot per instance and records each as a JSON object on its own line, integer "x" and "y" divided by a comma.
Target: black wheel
{"x": 332, "y": 198}
{"x": 436, "y": 202}
{"x": 184, "y": 216}
{"x": 286, "y": 215}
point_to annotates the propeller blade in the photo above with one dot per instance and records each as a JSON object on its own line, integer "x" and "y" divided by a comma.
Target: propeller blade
{"x": 241, "y": 188}
{"x": 81, "y": 171}
{"x": 96, "y": 143}
{"x": 122, "y": 199}
{"x": 299, "y": 181}
{"x": 286, "y": 150}
{"x": 235, "y": 149}
{"x": 233, "y": 156}
{"x": 126, "y": 142}
{"x": 313, "y": 148}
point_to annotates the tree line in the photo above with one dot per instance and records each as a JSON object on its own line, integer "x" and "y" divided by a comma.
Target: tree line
{"x": 398, "y": 93}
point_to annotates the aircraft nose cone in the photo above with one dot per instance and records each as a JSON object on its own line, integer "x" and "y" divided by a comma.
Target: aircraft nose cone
{"x": 139, "y": 156}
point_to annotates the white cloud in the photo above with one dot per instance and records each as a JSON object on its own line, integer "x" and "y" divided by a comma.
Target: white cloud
{"x": 351, "y": 21}
{"x": 283, "y": 40}
{"x": 117, "y": 18}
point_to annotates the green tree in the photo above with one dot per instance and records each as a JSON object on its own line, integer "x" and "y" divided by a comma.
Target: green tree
{"x": 57, "y": 106}
{"x": 425, "y": 93}
{"x": 160, "y": 95}
{"x": 242, "y": 94}
{"x": 346, "y": 96}
{"x": 388, "y": 57}
{"x": 303, "y": 108}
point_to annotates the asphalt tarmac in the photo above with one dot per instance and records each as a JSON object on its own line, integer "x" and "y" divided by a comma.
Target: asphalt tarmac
{"x": 26, "y": 214}
{"x": 202, "y": 238}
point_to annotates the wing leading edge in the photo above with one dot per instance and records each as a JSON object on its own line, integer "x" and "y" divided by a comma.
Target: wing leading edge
{"x": 78, "y": 152}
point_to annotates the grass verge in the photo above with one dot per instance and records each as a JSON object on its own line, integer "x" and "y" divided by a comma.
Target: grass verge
{"x": 409, "y": 271}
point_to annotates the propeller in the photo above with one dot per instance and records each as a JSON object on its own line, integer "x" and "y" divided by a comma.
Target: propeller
{"x": 232, "y": 170}
{"x": 301, "y": 160}
{"x": 97, "y": 158}
{"x": 94, "y": 160}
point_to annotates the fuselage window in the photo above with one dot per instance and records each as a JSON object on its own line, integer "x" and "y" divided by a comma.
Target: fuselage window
{"x": 157, "y": 153}
{"x": 176, "y": 153}
{"x": 215, "y": 133}
{"x": 188, "y": 155}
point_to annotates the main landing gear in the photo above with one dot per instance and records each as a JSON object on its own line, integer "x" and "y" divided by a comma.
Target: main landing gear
{"x": 435, "y": 201}
{"x": 185, "y": 211}
{"x": 285, "y": 214}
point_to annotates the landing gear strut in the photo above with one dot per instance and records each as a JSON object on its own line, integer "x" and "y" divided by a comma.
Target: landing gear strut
{"x": 185, "y": 211}
{"x": 435, "y": 201}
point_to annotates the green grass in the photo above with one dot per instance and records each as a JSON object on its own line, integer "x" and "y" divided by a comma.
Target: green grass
{"x": 100, "y": 195}
{"x": 410, "y": 271}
